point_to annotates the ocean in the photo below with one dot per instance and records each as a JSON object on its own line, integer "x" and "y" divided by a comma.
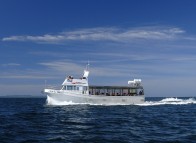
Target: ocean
{"x": 158, "y": 120}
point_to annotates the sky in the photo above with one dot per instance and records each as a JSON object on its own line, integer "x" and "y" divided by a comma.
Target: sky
{"x": 41, "y": 42}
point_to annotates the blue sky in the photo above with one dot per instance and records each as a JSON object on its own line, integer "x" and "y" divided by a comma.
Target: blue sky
{"x": 46, "y": 40}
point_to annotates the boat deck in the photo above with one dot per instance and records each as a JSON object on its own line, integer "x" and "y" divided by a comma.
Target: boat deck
{"x": 116, "y": 90}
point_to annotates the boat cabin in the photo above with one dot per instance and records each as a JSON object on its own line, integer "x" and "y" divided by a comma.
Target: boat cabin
{"x": 80, "y": 85}
{"x": 116, "y": 90}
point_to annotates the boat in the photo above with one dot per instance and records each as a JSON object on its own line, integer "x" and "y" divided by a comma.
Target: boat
{"x": 77, "y": 90}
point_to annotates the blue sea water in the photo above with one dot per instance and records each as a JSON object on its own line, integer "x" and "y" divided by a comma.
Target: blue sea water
{"x": 31, "y": 120}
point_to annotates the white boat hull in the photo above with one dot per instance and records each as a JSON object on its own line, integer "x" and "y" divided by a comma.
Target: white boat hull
{"x": 95, "y": 99}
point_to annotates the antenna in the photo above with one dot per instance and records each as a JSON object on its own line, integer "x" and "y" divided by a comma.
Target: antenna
{"x": 87, "y": 66}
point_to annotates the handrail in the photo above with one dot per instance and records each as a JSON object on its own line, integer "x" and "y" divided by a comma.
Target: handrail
{"x": 52, "y": 87}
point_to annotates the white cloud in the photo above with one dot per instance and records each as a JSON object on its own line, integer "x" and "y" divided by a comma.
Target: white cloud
{"x": 77, "y": 69}
{"x": 175, "y": 86}
{"x": 106, "y": 74}
{"x": 15, "y": 76}
{"x": 104, "y": 34}
{"x": 26, "y": 74}
{"x": 11, "y": 64}
{"x": 21, "y": 89}
{"x": 64, "y": 66}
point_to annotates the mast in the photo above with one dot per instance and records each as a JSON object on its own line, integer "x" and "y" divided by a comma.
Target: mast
{"x": 87, "y": 66}
{"x": 86, "y": 72}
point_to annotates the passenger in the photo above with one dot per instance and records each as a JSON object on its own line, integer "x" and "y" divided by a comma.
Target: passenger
{"x": 142, "y": 92}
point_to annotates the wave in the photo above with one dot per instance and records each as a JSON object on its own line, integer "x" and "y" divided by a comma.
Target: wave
{"x": 169, "y": 101}
{"x": 165, "y": 101}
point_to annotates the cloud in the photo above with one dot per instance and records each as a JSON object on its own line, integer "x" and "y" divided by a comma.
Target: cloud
{"x": 21, "y": 89}
{"x": 11, "y": 64}
{"x": 25, "y": 77}
{"x": 63, "y": 66}
{"x": 77, "y": 69}
{"x": 104, "y": 34}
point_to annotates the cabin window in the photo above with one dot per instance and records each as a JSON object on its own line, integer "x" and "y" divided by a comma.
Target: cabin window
{"x": 85, "y": 88}
{"x": 69, "y": 88}
{"x": 134, "y": 91}
{"x": 80, "y": 88}
{"x": 72, "y": 88}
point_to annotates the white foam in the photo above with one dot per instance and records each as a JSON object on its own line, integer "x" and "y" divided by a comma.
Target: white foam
{"x": 171, "y": 101}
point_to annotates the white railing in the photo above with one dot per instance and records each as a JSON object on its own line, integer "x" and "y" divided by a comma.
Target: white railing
{"x": 53, "y": 87}
{"x": 50, "y": 90}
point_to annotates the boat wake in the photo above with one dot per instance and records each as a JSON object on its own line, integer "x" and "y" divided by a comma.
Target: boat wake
{"x": 165, "y": 101}
{"x": 169, "y": 101}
